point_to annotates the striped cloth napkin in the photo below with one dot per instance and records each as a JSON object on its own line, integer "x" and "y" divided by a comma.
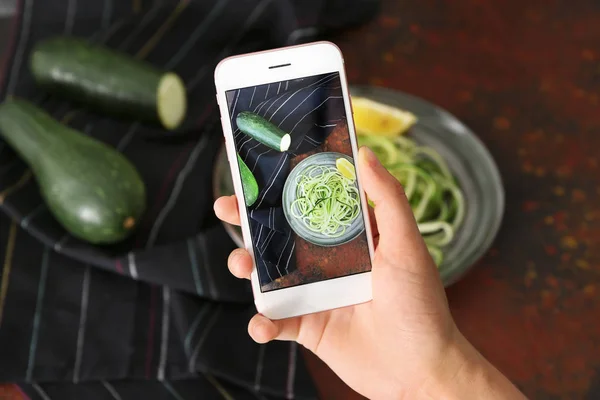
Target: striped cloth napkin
{"x": 158, "y": 316}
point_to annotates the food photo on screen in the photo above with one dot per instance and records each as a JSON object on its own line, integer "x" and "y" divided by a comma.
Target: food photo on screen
{"x": 299, "y": 181}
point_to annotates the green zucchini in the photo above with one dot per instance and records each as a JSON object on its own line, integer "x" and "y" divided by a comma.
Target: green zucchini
{"x": 264, "y": 131}
{"x": 249, "y": 183}
{"x": 91, "y": 189}
{"x": 108, "y": 81}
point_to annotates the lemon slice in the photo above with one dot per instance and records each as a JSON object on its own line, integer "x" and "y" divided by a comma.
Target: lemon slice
{"x": 345, "y": 168}
{"x": 373, "y": 118}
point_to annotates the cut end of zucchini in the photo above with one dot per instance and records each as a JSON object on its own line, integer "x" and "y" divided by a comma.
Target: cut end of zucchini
{"x": 129, "y": 223}
{"x": 286, "y": 140}
{"x": 171, "y": 101}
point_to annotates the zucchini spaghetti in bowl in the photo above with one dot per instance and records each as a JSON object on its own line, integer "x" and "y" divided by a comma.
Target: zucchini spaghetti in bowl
{"x": 326, "y": 201}
{"x": 321, "y": 201}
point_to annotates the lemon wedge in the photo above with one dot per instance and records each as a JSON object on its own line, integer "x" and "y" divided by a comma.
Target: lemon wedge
{"x": 373, "y": 118}
{"x": 345, "y": 168}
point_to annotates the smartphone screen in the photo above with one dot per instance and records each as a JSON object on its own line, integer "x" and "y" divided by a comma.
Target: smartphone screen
{"x": 300, "y": 189}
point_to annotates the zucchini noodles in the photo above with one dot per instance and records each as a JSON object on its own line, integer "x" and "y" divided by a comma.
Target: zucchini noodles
{"x": 326, "y": 201}
{"x": 434, "y": 196}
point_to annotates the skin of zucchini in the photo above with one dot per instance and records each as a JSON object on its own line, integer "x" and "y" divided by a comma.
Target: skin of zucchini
{"x": 263, "y": 131}
{"x": 91, "y": 189}
{"x": 249, "y": 183}
{"x": 107, "y": 81}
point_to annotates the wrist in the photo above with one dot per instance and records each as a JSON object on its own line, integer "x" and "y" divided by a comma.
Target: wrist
{"x": 463, "y": 373}
{"x": 456, "y": 363}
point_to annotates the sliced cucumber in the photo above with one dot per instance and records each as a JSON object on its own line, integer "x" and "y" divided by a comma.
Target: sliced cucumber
{"x": 263, "y": 131}
{"x": 109, "y": 81}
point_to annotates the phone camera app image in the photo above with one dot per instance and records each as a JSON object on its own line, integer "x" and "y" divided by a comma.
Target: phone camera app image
{"x": 299, "y": 181}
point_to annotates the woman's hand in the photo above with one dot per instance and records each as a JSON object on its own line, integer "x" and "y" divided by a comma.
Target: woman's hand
{"x": 404, "y": 343}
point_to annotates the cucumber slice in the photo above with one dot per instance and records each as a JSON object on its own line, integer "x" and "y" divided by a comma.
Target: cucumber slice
{"x": 171, "y": 101}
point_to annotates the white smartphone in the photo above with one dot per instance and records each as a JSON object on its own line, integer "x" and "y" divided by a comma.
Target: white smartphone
{"x": 291, "y": 146}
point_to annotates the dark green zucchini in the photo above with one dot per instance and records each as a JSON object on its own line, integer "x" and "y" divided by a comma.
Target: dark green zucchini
{"x": 108, "y": 81}
{"x": 249, "y": 183}
{"x": 264, "y": 131}
{"x": 90, "y": 188}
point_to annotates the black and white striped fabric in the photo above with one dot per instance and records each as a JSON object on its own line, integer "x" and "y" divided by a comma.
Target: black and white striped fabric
{"x": 308, "y": 109}
{"x": 158, "y": 316}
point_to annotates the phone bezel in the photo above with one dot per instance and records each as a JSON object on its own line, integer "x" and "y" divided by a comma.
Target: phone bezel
{"x": 252, "y": 69}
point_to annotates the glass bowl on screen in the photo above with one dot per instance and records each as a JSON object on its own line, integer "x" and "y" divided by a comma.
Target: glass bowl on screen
{"x": 322, "y": 203}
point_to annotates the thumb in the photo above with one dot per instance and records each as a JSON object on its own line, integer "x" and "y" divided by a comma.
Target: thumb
{"x": 399, "y": 236}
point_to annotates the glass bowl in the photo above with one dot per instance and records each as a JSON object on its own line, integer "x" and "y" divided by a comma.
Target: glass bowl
{"x": 325, "y": 159}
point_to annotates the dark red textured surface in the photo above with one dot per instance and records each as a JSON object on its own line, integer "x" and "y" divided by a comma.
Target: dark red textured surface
{"x": 525, "y": 76}
{"x": 316, "y": 263}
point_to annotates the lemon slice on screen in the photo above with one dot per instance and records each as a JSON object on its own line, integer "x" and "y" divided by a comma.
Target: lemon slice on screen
{"x": 345, "y": 168}
{"x": 373, "y": 118}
